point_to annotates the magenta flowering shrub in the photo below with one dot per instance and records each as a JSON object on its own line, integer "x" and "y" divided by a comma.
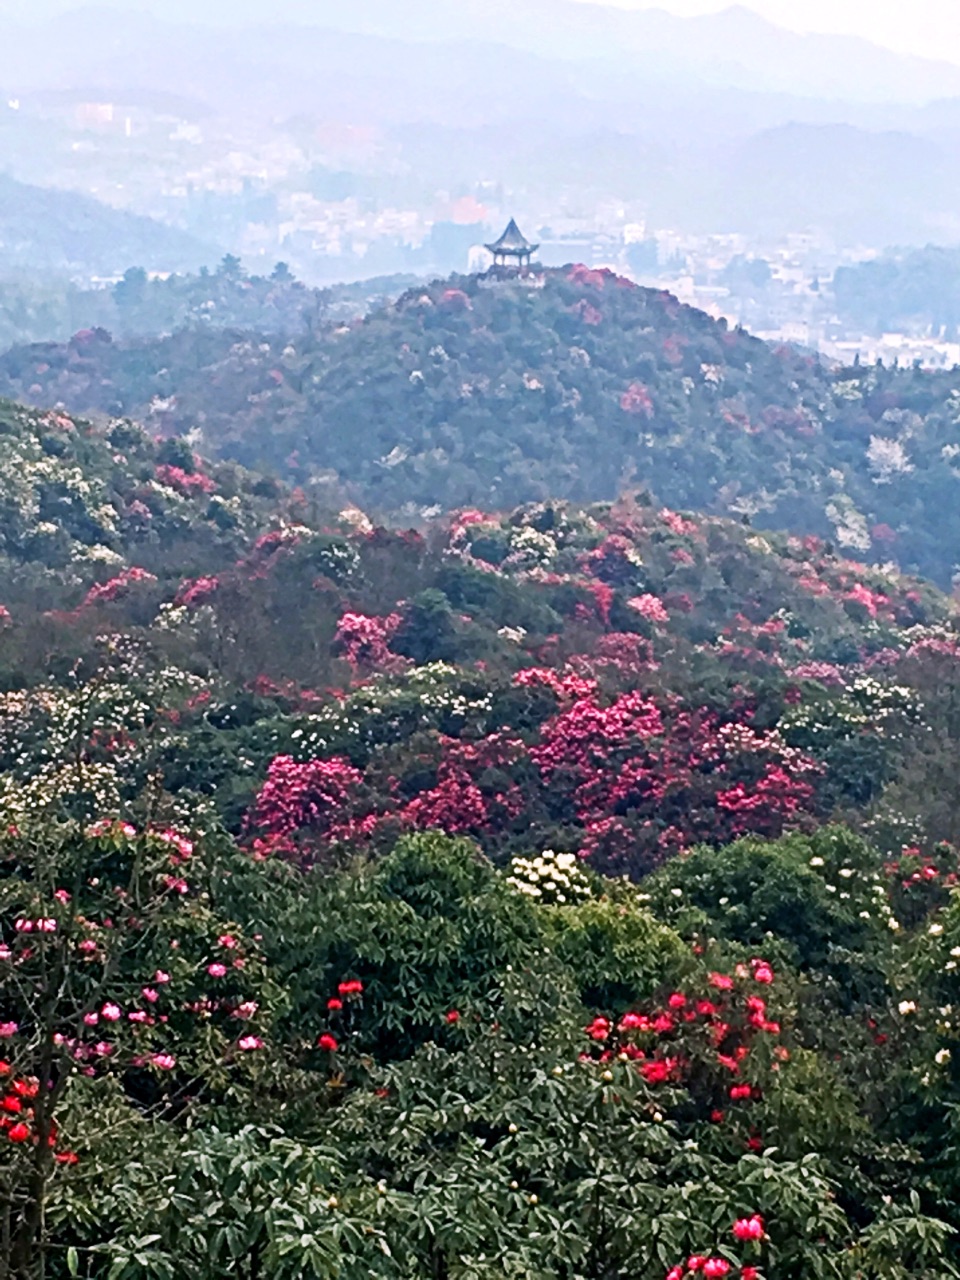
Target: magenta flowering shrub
{"x": 630, "y": 782}
{"x": 365, "y": 642}
{"x": 317, "y": 800}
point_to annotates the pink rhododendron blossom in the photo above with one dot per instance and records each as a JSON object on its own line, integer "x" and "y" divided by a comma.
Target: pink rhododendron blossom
{"x": 117, "y": 587}
{"x": 365, "y": 641}
{"x": 193, "y": 594}
{"x": 184, "y": 482}
{"x": 650, "y": 607}
{"x": 637, "y": 399}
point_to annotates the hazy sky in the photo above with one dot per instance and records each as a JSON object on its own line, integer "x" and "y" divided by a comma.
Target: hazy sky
{"x": 930, "y": 28}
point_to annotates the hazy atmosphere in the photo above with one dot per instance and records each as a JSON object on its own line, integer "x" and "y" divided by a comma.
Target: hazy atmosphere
{"x": 479, "y": 640}
{"x": 740, "y": 163}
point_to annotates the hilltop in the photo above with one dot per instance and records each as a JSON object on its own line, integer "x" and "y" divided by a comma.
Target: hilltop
{"x": 461, "y": 393}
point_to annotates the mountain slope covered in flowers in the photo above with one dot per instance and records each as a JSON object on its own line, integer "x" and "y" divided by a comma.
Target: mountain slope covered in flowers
{"x": 467, "y": 392}
{"x": 568, "y": 892}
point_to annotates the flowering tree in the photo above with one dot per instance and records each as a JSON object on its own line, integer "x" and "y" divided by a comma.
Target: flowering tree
{"x": 115, "y": 970}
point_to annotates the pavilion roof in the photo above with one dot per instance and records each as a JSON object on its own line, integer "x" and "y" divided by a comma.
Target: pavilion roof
{"x": 512, "y": 241}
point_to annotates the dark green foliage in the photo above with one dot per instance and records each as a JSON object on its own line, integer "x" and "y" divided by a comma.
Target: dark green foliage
{"x": 431, "y": 928}
{"x": 754, "y": 891}
{"x": 426, "y": 632}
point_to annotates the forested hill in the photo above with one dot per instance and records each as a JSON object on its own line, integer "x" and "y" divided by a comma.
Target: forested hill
{"x": 476, "y": 636}
{"x": 465, "y": 393}
{"x": 394, "y": 903}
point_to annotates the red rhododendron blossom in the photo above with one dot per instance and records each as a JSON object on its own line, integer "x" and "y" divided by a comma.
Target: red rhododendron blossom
{"x": 634, "y": 1022}
{"x": 763, "y": 973}
{"x": 695, "y": 1262}
{"x": 659, "y": 1070}
{"x": 750, "y": 1273}
{"x": 721, "y": 981}
{"x": 18, "y": 1132}
{"x": 749, "y": 1228}
{"x": 327, "y": 1042}
{"x": 714, "y": 1267}
{"x": 334, "y": 1004}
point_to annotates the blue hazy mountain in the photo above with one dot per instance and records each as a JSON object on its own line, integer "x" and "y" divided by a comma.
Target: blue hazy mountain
{"x": 62, "y": 231}
{"x": 734, "y": 48}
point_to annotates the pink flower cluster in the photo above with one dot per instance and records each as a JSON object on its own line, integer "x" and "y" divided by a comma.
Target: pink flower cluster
{"x": 365, "y": 641}
{"x": 745, "y": 1230}
{"x": 649, "y": 607}
{"x": 184, "y": 482}
{"x": 319, "y": 797}
{"x": 637, "y": 399}
{"x": 103, "y": 592}
{"x": 197, "y": 591}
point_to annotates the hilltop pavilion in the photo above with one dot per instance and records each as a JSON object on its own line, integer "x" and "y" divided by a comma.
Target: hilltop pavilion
{"x": 512, "y": 244}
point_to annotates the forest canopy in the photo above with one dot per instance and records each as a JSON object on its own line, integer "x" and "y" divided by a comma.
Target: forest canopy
{"x": 460, "y": 393}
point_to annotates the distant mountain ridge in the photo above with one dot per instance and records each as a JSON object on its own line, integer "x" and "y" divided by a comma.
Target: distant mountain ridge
{"x": 733, "y": 48}
{"x": 685, "y": 117}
